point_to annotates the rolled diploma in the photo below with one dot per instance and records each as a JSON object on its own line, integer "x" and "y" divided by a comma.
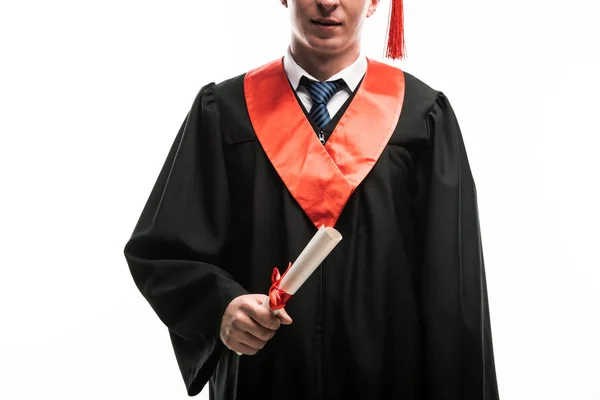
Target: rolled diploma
{"x": 319, "y": 247}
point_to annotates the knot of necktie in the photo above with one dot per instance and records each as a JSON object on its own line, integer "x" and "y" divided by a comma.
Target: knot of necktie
{"x": 322, "y": 92}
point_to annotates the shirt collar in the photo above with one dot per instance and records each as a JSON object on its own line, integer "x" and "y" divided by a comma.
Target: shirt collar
{"x": 351, "y": 74}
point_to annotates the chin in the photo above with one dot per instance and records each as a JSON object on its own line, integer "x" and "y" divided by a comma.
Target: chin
{"x": 327, "y": 46}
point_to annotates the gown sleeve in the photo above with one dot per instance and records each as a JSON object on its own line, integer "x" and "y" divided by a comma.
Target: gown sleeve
{"x": 459, "y": 359}
{"x": 177, "y": 250}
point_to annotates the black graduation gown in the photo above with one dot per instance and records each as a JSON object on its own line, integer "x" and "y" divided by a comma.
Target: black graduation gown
{"x": 398, "y": 310}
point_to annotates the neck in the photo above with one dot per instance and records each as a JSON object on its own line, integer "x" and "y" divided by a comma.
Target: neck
{"x": 323, "y": 66}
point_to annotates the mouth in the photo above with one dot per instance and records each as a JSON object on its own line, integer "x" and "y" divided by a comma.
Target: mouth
{"x": 325, "y": 23}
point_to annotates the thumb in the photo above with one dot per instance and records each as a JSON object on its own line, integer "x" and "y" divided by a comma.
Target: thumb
{"x": 284, "y": 317}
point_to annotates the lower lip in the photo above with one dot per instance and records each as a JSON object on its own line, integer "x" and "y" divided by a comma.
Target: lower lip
{"x": 325, "y": 27}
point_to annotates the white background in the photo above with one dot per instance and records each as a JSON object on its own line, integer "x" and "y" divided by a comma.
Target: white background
{"x": 92, "y": 94}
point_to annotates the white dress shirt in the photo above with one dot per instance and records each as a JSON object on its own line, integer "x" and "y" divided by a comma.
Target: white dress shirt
{"x": 351, "y": 75}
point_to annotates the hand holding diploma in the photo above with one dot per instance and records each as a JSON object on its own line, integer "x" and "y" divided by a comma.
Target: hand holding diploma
{"x": 247, "y": 325}
{"x": 251, "y": 320}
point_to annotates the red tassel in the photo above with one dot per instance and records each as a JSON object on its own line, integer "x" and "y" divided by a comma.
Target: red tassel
{"x": 396, "y": 46}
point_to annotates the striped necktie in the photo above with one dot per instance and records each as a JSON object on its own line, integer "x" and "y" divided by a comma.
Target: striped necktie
{"x": 321, "y": 93}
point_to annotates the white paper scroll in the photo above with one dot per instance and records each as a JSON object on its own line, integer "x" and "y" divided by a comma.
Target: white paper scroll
{"x": 319, "y": 247}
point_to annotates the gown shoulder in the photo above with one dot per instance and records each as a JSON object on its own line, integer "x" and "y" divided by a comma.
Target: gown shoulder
{"x": 419, "y": 97}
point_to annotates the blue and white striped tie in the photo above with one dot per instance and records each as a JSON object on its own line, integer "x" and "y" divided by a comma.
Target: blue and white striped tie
{"x": 321, "y": 93}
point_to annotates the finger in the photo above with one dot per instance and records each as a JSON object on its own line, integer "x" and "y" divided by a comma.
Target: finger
{"x": 259, "y": 331}
{"x": 242, "y": 349}
{"x": 251, "y": 340}
{"x": 284, "y": 317}
{"x": 245, "y": 324}
{"x": 264, "y": 317}
{"x": 261, "y": 298}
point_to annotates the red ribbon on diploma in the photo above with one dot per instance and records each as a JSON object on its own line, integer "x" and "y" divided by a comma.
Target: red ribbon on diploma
{"x": 277, "y": 297}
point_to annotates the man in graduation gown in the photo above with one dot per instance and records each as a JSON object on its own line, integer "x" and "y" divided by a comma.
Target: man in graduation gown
{"x": 323, "y": 136}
